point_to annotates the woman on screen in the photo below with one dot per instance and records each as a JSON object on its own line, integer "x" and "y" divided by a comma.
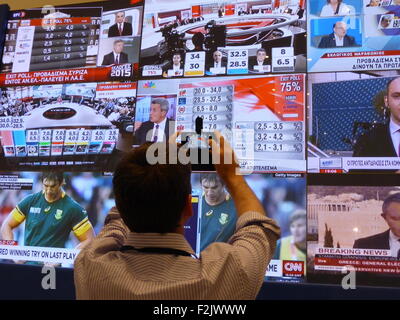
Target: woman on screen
{"x": 335, "y": 8}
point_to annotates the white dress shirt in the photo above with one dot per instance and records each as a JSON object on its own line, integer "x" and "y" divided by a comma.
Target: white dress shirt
{"x": 394, "y": 243}
{"x": 327, "y": 10}
{"x": 395, "y": 135}
{"x": 160, "y": 131}
{"x": 339, "y": 42}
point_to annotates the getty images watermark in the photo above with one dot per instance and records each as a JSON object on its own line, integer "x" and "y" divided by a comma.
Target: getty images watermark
{"x": 197, "y": 149}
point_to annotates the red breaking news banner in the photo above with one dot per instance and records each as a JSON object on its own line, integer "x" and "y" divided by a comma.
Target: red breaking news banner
{"x": 8, "y": 243}
{"x": 368, "y": 264}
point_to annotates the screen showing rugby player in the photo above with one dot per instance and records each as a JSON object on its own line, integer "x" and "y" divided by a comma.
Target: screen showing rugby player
{"x": 283, "y": 199}
{"x": 46, "y": 218}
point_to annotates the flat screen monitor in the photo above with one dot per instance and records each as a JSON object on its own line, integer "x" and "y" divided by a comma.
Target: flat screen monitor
{"x": 262, "y": 117}
{"x": 352, "y": 230}
{"x": 352, "y": 117}
{"x": 68, "y": 43}
{"x": 355, "y": 35}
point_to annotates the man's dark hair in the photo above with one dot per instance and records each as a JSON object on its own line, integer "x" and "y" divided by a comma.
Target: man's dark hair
{"x": 198, "y": 39}
{"x": 53, "y": 176}
{"x": 211, "y": 177}
{"x": 389, "y": 83}
{"x": 393, "y": 198}
{"x": 150, "y": 198}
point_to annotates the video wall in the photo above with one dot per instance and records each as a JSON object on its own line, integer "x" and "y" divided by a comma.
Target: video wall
{"x": 307, "y": 93}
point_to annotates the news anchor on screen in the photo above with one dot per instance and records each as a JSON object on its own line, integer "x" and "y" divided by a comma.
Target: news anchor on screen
{"x": 338, "y": 38}
{"x": 117, "y": 56}
{"x": 157, "y": 128}
{"x": 335, "y": 8}
{"x": 120, "y": 28}
{"x": 390, "y": 239}
{"x": 383, "y": 140}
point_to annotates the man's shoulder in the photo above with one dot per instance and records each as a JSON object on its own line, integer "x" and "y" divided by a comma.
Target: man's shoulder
{"x": 378, "y": 130}
{"x": 372, "y": 242}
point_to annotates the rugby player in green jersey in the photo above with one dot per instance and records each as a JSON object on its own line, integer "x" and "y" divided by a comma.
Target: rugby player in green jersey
{"x": 50, "y": 215}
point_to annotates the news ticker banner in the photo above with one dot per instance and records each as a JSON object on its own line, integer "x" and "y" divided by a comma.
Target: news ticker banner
{"x": 345, "y": 164}
{"x": 362, "y": 260}
{"x": 286, "y": 268}
{"x": 358, "y": 61}
{"x": 37, "y": 254}
{"x": 123, "y": 72}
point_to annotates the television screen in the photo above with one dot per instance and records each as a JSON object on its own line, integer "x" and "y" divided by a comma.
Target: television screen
{"x": 4, "y": 10}
{"x": 36, "y": 231}
{"x": 283, "y": 199}
{"x": 352, "y": 122}
{"x": 66, "y": 44}
{"x": 197, "y": 38}
{"x": 79, "y": 126}
{"x": 352, "y": 223}
{"x": 353, "y": 35}
{"x": 262, "y": 117}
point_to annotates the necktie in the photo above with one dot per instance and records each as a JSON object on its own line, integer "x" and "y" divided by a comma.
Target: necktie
{"x": 156, "y": 133}
{"x": 117, "y": 59}
{"x": 120, "y": 29}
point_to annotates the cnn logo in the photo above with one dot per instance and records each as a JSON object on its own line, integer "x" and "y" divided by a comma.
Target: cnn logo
{"x": 293, "y": 268}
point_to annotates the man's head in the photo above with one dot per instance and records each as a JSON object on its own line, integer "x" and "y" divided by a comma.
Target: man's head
{"x": 333, "y": 1}
{"x": 158, "y": 110}
{"x": 340, "y": 29}
{"x": 198, "y": 40}
{"x": 217, "y": 56}
{"x": 52, "y": 185}
{"x": 152, "y": 198}
{"x": 392, "y": 99}
{"x": 374, "y": 3}
{"x": 118, "y": 46}
{"x": 176, "y": 59}
{"x": 120, "y": 17}
{"x": 261, "y": 55}
{"x": 298, "y": 226}
{"x": 391, "y": 212}
{"x": 385, "y": 22}
{"x": 213, "y": 188}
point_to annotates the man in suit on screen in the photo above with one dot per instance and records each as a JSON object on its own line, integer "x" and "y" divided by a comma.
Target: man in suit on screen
{"x": 383, "y": 140}
{"x": 117, "y": 56}
{"x": 120, "y": 28}
{"x": 157, "y": 129}
{"x": 338, "y": 38}
{"x": 390, "y": 239}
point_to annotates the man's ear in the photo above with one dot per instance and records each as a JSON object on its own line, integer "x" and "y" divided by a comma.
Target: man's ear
{"x": 188, "y": 210}
{"x": 383, "y": 215}
{"x": 385, "y": 100}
